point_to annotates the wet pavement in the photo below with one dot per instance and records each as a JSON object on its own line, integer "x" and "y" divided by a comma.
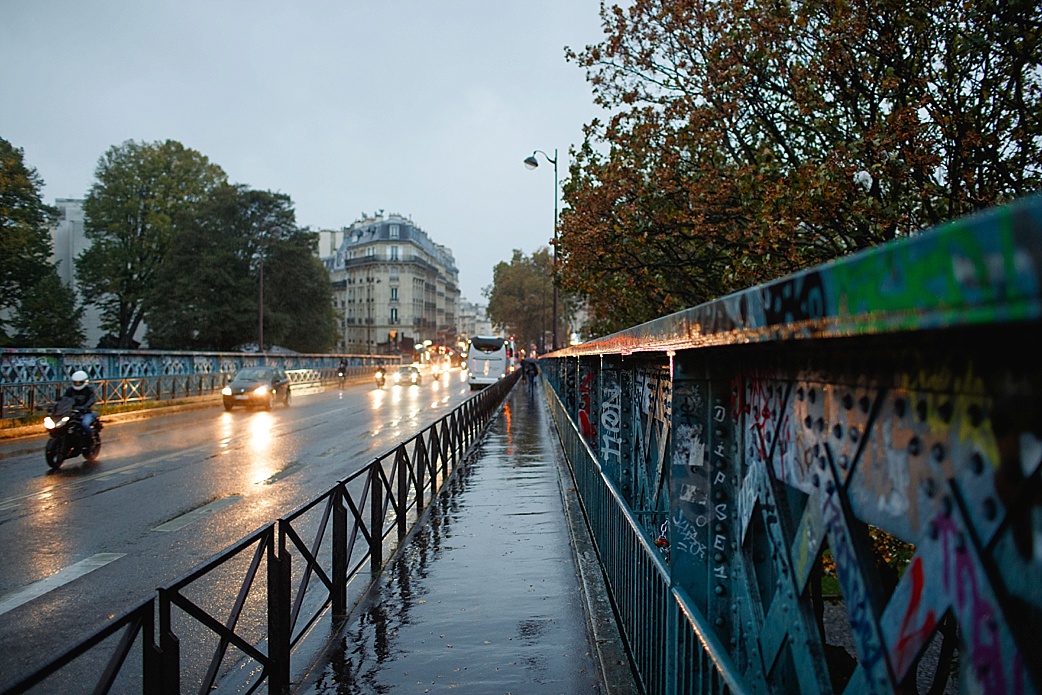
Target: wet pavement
{"x": 494, "y": 592}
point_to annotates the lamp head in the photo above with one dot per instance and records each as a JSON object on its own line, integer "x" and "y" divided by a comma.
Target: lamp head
{"x": 531, "y": 162}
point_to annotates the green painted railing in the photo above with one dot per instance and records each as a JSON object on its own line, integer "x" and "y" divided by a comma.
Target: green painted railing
{"x": 831, "y": 482}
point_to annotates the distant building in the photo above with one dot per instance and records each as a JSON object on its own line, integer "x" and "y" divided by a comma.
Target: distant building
{"x": 70, "y": 241}
{"x": 473, "y": 320}
{"x": 393, "y": 287}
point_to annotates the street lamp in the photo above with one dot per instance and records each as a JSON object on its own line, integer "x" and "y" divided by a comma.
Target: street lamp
{"x": 277, "y": 231}
{"x": 532, "y": 163}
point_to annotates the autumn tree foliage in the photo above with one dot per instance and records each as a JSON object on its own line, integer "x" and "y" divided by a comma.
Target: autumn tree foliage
{"x": 752, "y": 138}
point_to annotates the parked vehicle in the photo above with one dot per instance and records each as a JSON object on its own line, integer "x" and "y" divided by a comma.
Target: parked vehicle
{"x": 380, "y": 378}
{"x": 68, "y": 436}
{"x": 257, "y": 386}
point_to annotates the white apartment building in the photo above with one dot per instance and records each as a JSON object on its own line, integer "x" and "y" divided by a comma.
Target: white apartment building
{"x": 393, "y": 287}
{"x": 70, "y": 241}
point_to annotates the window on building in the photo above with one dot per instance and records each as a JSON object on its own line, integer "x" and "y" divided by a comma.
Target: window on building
{"x": 394, "y": 294}
{"x": 393, "y": 275}
{"x": 370, "y": 251}
{"x": 394, "y": 315}
{"x": 393, "y": 231}
{"x": 394, "y": 252}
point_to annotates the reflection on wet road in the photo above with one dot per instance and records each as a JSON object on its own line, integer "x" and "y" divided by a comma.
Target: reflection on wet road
{"x": 484, "y": 598}
{"x": 171, "y": 491}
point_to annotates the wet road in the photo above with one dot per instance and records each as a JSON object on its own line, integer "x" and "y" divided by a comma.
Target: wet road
{"x": 91, "y": 540}
{"x": 485, "y": 596}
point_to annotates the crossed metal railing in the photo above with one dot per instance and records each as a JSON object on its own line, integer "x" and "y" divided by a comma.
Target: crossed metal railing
{"x": 22, "y": 399}
{"x": 247, "y": 609}
{"x": 35, "y": 378}
{"x": 831, "y": 482}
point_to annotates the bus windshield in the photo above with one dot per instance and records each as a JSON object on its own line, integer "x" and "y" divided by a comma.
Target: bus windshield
{"x": 486, "y": 344}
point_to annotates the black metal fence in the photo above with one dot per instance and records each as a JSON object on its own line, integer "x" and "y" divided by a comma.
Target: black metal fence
{"x": 287, "y": 575}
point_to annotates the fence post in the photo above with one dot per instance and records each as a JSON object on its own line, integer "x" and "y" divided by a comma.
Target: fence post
{"x": 339, "y": 589}
{"x": 376, "y": 517}
{"x": 169, "y": 648}
{"x": 402, "y": 463}
{"x": 279, "y": 599}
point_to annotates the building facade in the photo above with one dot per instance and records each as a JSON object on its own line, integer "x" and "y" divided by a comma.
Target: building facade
{"x": 393, "y": 287}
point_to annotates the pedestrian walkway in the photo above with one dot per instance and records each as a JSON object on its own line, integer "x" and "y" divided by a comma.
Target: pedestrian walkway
{"x": 496, "y": 591}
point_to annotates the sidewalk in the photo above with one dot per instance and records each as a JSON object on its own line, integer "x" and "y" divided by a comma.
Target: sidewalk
{"x": 496, "y": 591}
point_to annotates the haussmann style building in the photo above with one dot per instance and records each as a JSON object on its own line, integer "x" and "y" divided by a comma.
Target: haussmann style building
{"x": 393, "y": 287}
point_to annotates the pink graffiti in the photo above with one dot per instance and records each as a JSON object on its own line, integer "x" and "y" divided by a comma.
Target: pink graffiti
{"x": 981, "y": 629}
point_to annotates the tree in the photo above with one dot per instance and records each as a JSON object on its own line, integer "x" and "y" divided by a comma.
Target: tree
{"x": 520, "y": 300}
{"x": 33, "y": 302}
{"x": 145, "y": 193}
{"x": 206, "y": 291}
{"x": 752, "y": 139}
{"x": 49, "y": 315}
{"x": 298, "y": 295}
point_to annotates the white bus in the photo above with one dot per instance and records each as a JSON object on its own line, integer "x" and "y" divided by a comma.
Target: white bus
{"x": 489, "y": 358}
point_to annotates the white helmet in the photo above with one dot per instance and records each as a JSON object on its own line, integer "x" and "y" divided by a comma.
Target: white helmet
{"x": 79, "y": 379}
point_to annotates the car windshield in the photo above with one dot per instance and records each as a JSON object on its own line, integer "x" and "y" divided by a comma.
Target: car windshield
{"x": 406, "y": 370}
{"x": 253, "y": 373}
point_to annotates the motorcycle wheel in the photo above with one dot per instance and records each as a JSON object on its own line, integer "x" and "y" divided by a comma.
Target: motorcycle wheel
{"x": 53, "y": 453}
{"x": 92, "y": 455}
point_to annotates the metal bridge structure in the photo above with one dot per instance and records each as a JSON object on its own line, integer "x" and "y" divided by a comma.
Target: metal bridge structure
{"x": 829, "y": 483}
{"x": 33, "y": 378}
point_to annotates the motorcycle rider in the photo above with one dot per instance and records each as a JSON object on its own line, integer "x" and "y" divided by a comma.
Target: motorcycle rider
{"x": 84, "y": 396}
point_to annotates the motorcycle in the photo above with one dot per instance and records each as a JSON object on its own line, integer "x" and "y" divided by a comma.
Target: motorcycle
{"x": 68, "y": 436}
{"x": 379, "y": 379}
{"x": 340, "y": 375}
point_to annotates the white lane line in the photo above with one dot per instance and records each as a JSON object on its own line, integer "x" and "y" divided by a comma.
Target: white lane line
{"x": 59, "y": 578}
{"x": 196, "y": 514}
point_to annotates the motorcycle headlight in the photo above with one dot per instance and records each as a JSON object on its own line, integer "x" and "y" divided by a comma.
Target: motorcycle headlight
{"x": 226, "y": 391}
{"x": 261, "y": 390}
{"x": 48, "y": 422}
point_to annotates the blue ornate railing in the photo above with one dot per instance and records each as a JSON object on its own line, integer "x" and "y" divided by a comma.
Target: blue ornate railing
{"x": 31, "y": 378}
{"x": 831, "y": 482}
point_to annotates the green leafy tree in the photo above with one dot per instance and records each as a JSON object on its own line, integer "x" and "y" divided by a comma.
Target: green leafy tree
{"x": 206, "y": 292}
{"x": 34, "y": 304}
{"x": 145, "y": 193}
{"x": 520, "y": 300}
{"x": 298, "y": 295}
{"x": 49, "y": 315}
{"x": 751, "y": 139}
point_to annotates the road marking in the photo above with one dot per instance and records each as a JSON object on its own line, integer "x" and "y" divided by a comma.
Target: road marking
{"x": 59, "y": 578}
{"x": 196, "y": 514}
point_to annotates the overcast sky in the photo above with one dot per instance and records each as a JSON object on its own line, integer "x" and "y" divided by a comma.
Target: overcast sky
{"x": 417, "y": 107}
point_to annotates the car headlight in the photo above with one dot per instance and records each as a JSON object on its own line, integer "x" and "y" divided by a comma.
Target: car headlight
{"x": 261, "y": 390}
{"x": 226, "y": 391}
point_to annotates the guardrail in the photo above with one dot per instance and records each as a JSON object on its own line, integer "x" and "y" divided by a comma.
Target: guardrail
{"x": 284, "y": 577}
{"x": 22, "y": 400}
{"x": 831, "y": 482}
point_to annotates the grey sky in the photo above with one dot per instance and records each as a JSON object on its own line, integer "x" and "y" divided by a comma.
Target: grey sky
{"x": 417, "y": 107}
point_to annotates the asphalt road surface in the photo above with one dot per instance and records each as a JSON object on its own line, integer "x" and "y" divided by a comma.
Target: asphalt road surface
{"x": 87, "y": 542}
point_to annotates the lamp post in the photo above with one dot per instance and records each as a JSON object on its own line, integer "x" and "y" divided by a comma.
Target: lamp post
{"x": 260, "y": 304}
{"x": 531, "y": 162}
{"x": 262, "y": 249}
